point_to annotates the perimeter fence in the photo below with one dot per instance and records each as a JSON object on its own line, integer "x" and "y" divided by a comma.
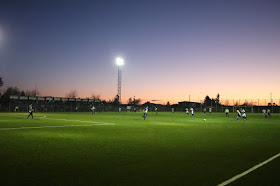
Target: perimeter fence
{"x": 51, "y": 104}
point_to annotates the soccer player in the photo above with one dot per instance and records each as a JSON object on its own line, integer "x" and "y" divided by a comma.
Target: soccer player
{"x": 172, "y": 109}
{"x": 156, "y": 110}
{"x": 187, "y": 111}
{"x": 238, "y": 115}
{"x": 30, "y": 110}
{"x": 204, "y": 110}
{"x": 145, "y": 113}
{"x": 227, "y": 112}
{"x": 16, "y": 109}
{"x": 210, "y": 110}
{"x": 120, "y": 109}
{"x": 242, "y": 110}
{"x": 93, "y": 110}
{"x": 192, "y": 110}
{"x": 264, "y": 113}
{"x": 244, "y": 116}
{"x": 268, "y": 113}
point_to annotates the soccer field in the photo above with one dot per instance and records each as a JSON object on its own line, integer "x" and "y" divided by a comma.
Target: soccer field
{"x": 123, "y": 149}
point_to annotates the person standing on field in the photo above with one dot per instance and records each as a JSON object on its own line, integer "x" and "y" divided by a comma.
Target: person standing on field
{"x": 145, "y": 113}
{"x": 93, "y": 110}
{"x": 227, "y": 112}
{"x": 192, "y": 110}
{"x": 30, "y": 110}
{"x": 16, "y": 109}
{"x": 268, "y": 113}
{"x": 264, "y": 113}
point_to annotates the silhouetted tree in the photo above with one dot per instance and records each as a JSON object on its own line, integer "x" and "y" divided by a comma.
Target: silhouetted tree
{"x": 134, "y": 101}
{"x": 245, "y": 103}
{"x": 10, "y": 91}
{"x": 1, "y": 82}
{"x": 72, "y": 94}
{"x": 22, "y": 93}
{"x": 32, "y": 93}
{"x": 116, "y": 100}
{"x": 217, "y": 100}
{"x": 207, "y": 101}
{"x": 95, "y": 96}
{"x": 137, "y": 101}
{"x": 130, "y": 101}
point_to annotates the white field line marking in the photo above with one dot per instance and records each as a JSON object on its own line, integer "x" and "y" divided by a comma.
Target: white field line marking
{"x": 73, "y": 120}
{"x": 94, "y": 123}
{"x": 20, "y": 128}
{"x": 248, "y": 171}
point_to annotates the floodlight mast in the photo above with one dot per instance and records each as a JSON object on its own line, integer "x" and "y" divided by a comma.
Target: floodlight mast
{"x": 120, "y": 63}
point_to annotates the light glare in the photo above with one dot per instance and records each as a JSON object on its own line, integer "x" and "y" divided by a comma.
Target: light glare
{"x": 119, "y": 61}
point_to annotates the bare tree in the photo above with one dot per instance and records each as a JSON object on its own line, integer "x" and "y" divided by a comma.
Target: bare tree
{"x": 133, "y": 101}
{"x": 1, "y": 82}
{"x": 10, "y": 91}
{"x": 137, "y": 101}
{"x": 95, "y": 96}
{"x": 32, "y": 93}
{"x": 130, "y": 101}
{"x": 72, "y": 94}
{"x": 226, "y": 102}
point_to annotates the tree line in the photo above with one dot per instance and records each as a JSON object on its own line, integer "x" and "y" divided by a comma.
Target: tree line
{"x": 15, "y": 91}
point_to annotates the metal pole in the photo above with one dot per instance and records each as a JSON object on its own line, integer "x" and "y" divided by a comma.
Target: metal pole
{"x": 216, "y": 106}
{"x": 271, "y": 101}
{"x": 119, "y": 82}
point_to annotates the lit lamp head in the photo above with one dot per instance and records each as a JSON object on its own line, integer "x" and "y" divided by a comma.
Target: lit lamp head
{"x": 119, "y": 61}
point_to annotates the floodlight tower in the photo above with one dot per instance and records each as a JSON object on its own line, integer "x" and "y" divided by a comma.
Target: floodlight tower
{"x": 120, "y": 63}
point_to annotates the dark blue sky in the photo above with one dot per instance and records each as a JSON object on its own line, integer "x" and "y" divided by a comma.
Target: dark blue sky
{"x": 171, "y": 48}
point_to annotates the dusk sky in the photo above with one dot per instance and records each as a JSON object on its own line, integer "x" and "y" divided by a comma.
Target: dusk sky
{"x": 172, "y": 49}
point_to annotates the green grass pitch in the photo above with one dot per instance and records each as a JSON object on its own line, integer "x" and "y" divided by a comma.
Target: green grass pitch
{"x": 123, "y": 149}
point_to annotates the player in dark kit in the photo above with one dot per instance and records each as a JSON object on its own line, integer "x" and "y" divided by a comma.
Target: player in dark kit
{"x": 30, "y": 110}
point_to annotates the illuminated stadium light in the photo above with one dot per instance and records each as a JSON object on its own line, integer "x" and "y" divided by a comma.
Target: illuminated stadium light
{"x": 119, "y": 61}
